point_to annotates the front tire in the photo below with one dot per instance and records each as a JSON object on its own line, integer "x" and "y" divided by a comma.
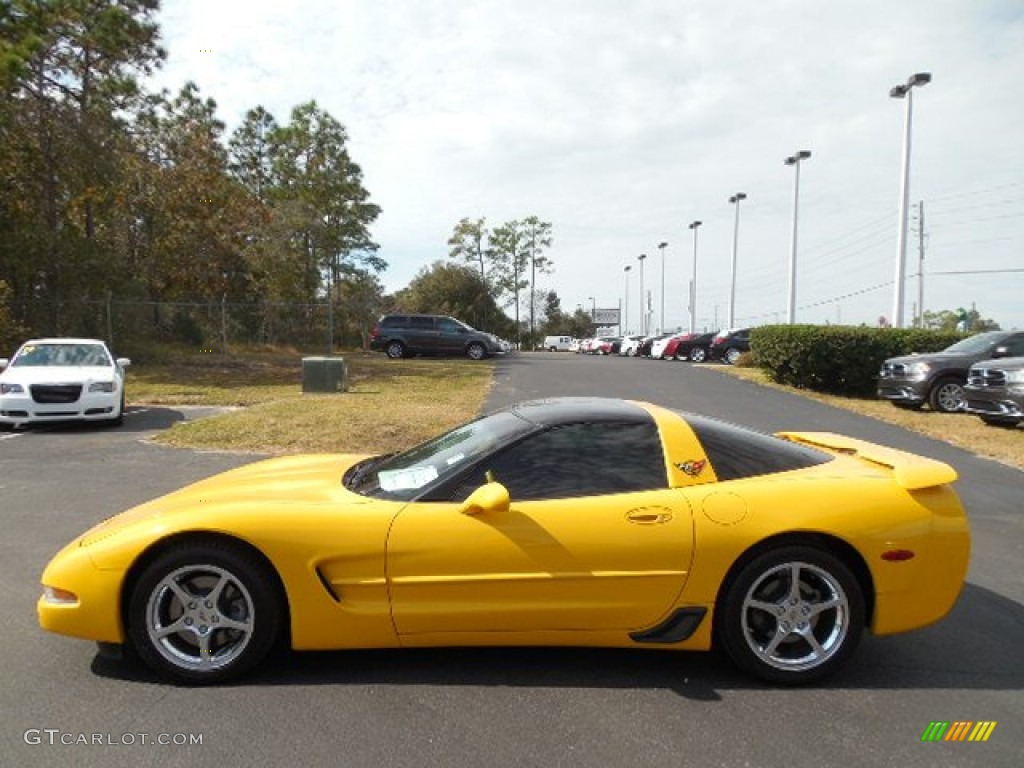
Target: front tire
{"x": 907, "y": 406}
{"x": 792, "y": 615}
{"x": 118, "y": 420}
{"x": 947, "y": 395}
{"x": 698, "y": 355}
{"x": 476, "y": 351}
{"x": 996, "y": 421}
{"x": 204, "y": 613}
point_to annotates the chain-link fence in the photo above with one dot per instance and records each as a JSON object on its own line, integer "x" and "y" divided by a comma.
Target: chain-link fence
{"x": 137, "y": 327}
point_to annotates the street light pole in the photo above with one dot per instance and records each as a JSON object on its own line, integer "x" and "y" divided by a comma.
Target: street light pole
{"x": 794, "y": 160}
{"x": 693, "y": 281}
{"x": 593, "y": 312}
{"x": 735, "y": 200}
{"x": 625, "y": 310}
{"x": 899, "y": 92}
{"x": 643, "y": 314}
{"x": 661, "y": 247}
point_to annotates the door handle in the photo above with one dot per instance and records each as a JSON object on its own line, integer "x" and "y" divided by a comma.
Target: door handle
{"x": 648, "y": 516}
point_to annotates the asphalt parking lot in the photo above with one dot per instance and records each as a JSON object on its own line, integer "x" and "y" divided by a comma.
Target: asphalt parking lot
{"x": 496, "y": 707}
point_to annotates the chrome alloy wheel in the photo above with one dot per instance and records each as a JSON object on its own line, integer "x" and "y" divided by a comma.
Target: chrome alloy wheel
{"x": 200, "y": 617}
{"x": 795, "y": 617}
{"x": 949, "y": 397}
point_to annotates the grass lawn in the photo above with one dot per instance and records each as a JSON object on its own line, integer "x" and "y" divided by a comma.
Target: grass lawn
{"x": 390, "y": 405}
{"x": 960, "y": 429}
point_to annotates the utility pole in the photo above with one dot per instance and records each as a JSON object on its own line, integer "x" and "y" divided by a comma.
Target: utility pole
{"x": 920, "y": 264}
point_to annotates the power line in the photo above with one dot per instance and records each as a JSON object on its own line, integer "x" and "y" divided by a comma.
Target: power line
{"x": 978, "y": 272}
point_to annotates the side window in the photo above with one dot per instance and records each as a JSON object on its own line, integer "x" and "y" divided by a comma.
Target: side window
{"x": 577, "y": 460}
{"x": 421, "y": 323}
{"x": 393, "y": 321}
{"x": 447, "y": 325}
{"x": 1015, "y": 344}
{"x": 736, "y": 452}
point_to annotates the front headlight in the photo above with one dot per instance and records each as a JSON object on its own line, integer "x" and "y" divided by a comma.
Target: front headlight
{"x": 11, "y": 389}
{"x": 1015, "y": 377}
{"x": 59, "y": 596}
{"x": 918, "y": 369}
{"x": 101, "y": 386}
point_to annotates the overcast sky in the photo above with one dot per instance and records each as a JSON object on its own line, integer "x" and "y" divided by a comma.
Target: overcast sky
{"x": 622, "y": 122}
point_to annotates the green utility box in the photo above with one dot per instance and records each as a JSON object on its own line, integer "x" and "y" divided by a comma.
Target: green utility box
{"x": 324, "y": 374}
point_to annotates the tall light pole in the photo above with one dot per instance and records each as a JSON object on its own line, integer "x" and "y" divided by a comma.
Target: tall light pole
{"x": 626, "y": 309}
{"x": 735, "y": 200}
{"x": 899, "y": 92}
{"x": 693, "y": 281}
{"x": 661, "y": 247}
{"x": 643, "y": 318}
{"x": 794, "y": 160}
{"x": 593, "y": 312}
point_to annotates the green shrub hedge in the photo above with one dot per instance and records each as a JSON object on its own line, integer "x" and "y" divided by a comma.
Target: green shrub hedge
{"x": 837, "y": 359}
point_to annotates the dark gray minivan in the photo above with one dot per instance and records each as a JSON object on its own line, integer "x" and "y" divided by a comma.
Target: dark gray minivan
{"x": 401, "y": 336}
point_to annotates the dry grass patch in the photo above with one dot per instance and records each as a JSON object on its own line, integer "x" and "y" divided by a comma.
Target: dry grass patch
{"x": 390, "y": 405}
{"x": 962, "y": 430}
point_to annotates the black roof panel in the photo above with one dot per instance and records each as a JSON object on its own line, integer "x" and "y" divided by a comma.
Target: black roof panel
{"x": 569, "y": 410}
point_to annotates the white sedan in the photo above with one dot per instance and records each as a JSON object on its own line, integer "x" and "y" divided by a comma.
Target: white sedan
{"x": 62, "y": 379}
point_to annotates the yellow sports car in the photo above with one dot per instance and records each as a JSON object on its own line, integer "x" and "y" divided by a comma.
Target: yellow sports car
{"x": 571, "y": 521}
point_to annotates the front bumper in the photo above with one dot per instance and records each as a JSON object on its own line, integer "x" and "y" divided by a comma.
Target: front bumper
{"x": 903, "y": 390}
{"x": 995, "y": 401}
{"x": 95, "y": 614}
{"x": 20, "y": 409}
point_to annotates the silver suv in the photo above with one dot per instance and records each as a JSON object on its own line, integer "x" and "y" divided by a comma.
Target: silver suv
{"x": 995, "y": 391}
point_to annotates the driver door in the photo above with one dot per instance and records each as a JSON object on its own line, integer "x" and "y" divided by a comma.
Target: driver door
{"x": 592, "y": 540}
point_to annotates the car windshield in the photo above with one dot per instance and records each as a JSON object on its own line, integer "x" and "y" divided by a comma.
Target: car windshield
{"x": 975, "y": 344}
{"x": 39, "y": 355}
{"x": 405, "y": 476}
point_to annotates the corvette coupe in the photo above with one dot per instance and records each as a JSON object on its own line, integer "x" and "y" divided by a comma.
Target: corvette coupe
{"x": 569, "y": 521}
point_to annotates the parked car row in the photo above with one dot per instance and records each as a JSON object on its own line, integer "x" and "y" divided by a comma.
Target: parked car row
{"x": 726, "y": 346}
{"x": 983, "y": 375}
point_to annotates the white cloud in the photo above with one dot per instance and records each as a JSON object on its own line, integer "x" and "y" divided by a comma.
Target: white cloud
{"x": 620, "y": 123}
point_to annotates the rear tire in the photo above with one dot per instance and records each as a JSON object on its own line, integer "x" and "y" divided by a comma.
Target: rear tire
{"x": 732, "y": 355}
{"x": 395, "y": 350}
{"x": 698, "y": 355}
{"x": 792, "y": 615}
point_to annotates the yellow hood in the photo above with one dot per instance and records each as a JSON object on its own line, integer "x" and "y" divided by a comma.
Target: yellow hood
{"x": 301, "y": 481}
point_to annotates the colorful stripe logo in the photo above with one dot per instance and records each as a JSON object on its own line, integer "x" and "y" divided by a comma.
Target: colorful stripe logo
{"x": 958, "y": 730}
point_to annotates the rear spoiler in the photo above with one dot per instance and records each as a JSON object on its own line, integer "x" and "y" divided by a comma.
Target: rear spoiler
{"x": 909, "y": 470}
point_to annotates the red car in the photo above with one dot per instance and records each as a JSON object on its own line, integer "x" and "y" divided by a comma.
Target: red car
{"x": 669, "y": 352}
